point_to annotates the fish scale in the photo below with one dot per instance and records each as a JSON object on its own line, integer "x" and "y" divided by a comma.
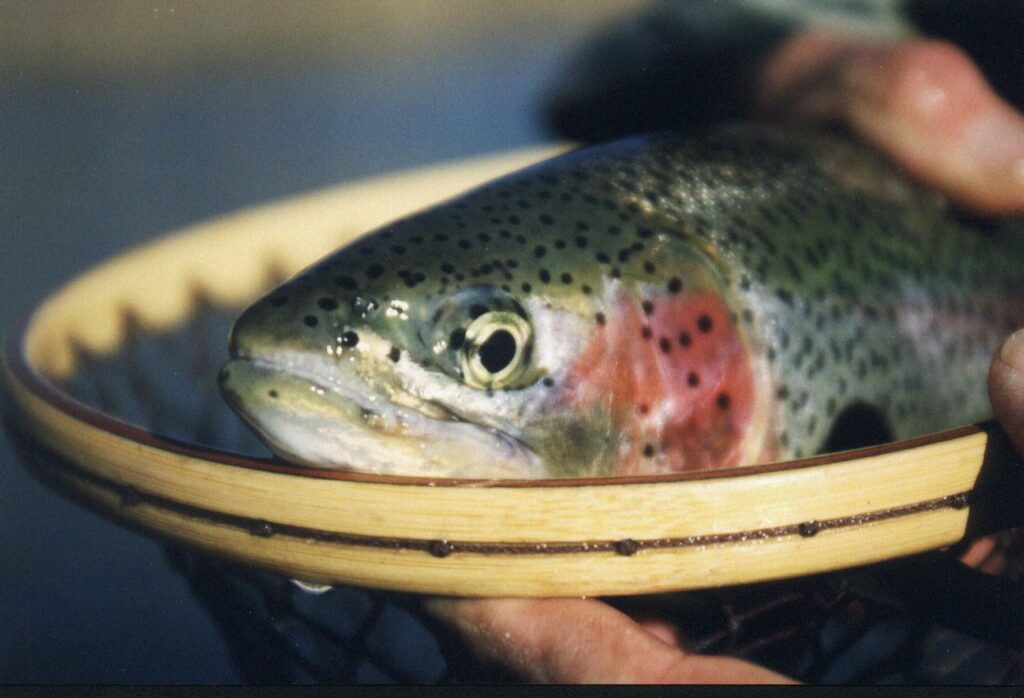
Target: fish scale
{"x": 551, "y": 323}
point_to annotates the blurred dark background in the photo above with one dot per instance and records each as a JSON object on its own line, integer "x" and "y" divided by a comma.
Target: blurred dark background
{"x": 122, "y": 120}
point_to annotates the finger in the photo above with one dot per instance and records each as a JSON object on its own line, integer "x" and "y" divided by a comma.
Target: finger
{"x": 661, "y": 629}
{"x": 582, "y": 641}
{"x": 1006, "y": 388}
{"x": 922, "y": 102}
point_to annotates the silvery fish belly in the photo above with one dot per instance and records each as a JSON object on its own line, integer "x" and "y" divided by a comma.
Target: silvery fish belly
{"x": 654, "y": 305}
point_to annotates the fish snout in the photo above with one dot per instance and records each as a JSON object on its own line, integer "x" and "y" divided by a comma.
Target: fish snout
{"x": 244, "y": 333}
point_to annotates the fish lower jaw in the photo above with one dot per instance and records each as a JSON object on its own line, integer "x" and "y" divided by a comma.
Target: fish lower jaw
{"x": 304, "y": 420}
{"x": 478, "y": 454}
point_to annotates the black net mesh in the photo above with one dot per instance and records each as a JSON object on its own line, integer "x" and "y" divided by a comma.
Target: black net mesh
{"x": 925, "y": 619}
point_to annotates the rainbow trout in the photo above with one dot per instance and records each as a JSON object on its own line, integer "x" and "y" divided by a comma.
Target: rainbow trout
{"x": 654, "y": 305}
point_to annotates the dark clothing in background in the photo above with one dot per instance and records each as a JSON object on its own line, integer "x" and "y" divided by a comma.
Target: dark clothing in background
{"x": 686, "y": 63}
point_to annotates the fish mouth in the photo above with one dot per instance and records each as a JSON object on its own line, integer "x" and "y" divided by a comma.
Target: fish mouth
{"x": 309, "y": 412}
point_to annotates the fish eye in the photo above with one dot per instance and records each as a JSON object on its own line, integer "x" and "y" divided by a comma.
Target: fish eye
{"x": 495, "y": 351}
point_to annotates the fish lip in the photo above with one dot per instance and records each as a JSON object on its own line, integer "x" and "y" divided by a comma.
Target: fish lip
{"x": 283, "y": 366}
{"x": 289, "y": 369}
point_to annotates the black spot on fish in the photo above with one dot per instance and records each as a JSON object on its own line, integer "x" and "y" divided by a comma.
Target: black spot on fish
{"x": 704, "y": 324}
{"x": 566, "y": 278}
{"x": 600, "y": 318}
{"x": 548, "y": 381}
{"x": 684, "y": 339}
{"x": 311, "y": 321}
{"x": 539, "y": 251}
{"x": 723, "y": 401}
{"x": 457, "y": 338}
{"x": 327, "y": 304}
{"x": 278, "y": 301}
{"x": 374, "y": 270}
{"x": 857, "y": 426}
{"x": 646, "y": 333}
{"x": 476, "y": 310}
{"x": 395, "y": 354}
{"x": 675, "y": 285}
{"x": 526, "y": 287}
{"x": 544, "y": 275}
{"x": 349, "y": 339}
{"x": 448, "y": 268}
{"x": 648, "y": 450}
{"x": 648, "y": 307}
{"x": 692, "y": 379}
{"x": 272, "y": 393}
{"x": 649, "y": 267}
{"x": 665, "y": 344}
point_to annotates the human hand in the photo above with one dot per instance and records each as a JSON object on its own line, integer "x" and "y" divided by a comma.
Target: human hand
{"x": 584, "y": 641}
{"x": 928, "y": 107}
{"x": 922, "y": 102}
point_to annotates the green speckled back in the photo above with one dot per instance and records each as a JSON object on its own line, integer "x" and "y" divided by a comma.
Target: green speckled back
{"x": 651, "y": 305}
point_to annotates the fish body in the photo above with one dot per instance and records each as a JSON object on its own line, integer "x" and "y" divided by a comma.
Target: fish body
{"x": 658, "y": 304}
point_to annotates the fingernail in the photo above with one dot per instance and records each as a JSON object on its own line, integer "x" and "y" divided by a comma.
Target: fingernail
{"x": 998, "y": 144}
{"x": 1012, "y": 351}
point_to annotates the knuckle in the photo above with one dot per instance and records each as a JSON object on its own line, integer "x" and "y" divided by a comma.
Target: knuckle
{"x": 915, "y": 70}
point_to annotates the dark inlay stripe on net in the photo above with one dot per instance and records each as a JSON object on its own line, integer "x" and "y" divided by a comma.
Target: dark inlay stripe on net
{"x": 131, "y": 497}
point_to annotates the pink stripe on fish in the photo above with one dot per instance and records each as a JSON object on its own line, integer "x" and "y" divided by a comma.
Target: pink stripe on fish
{"x": 678, "y": 378}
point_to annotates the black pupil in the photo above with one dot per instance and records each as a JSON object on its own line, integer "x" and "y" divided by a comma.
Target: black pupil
{"x": 498, "y": 351}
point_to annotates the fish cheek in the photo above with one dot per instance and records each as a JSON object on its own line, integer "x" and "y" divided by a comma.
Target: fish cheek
{"x": 677, "y": 376}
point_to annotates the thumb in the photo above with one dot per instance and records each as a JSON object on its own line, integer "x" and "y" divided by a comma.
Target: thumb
{"x": 1006, "y": 388}
{"x": 563, "y": 640}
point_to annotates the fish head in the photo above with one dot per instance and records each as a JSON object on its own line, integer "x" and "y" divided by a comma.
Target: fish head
{"x": 501, "y": 335}
{"x": 370, "y": 362}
